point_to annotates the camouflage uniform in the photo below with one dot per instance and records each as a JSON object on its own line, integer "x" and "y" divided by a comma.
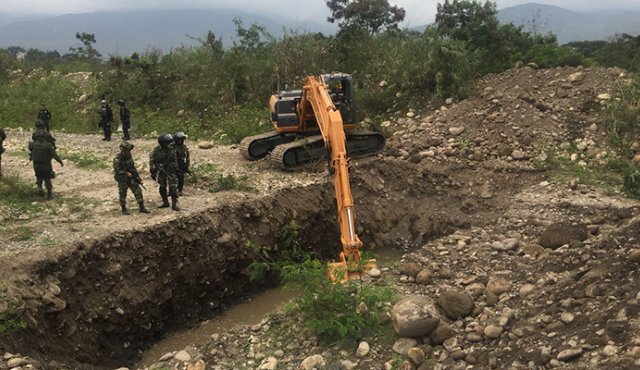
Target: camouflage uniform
{"x": 41, "y": 152}
{"x": 184, "y": 159}
{"x": 45, "y": 116}
{"x": 125, "y": 119}
{"x": 106, "y": 120}
{"x": 126, "y": 175}
{"x": 41, "y": 131}
{"x": 164, "y": 165}
{"x": 3, "y": 137}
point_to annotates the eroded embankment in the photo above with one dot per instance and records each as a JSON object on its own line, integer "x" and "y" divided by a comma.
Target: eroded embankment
{"x": 97, "y": 303}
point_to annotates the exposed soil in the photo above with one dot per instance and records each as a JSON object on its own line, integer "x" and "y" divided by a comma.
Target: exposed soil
{"x": 551, "y": 267}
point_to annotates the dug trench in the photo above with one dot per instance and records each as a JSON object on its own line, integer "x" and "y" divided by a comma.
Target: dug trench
{"x": 98, "y": 303}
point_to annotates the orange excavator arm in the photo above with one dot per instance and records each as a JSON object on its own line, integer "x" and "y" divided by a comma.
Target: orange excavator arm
{"x": 316, "y": 96}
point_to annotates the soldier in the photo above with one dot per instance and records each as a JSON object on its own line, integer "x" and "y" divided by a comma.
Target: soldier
{"x": 3, "y": 137}
{"x": 45, "y": 116}
{"x": 106, "y": 120}
{"x": 41, "y": 152}
{"x": 164, "y": 165}
{"x": 182, "y": 155}
{"x": 125, "y": 121}
{"x": 127, "y": 177}
{"x": 41, "y": 130}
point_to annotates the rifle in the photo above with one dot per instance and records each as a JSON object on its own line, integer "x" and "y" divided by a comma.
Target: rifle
{"x": 135, "y": 177}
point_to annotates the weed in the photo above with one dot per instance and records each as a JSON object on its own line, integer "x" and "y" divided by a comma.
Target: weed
{"x": 10, "y": 320}
{"x": 84, "y": 159}
{"x": 202, "y": 171}
{"x": 230, "y": 182}
{"x": 21, "y": 233}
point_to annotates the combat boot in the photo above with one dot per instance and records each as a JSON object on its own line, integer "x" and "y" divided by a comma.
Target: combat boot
{"x": 125, "y": 211}
{"x": 40, "y": 191}
{"x": 141, "y": 207}
{"x": 174, "y": 203}
{"x": 165, "y": 198}
{"x": 49, "y": 194}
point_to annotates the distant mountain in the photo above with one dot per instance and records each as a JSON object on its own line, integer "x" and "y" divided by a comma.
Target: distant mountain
{"x": 123, "y": 32}
{"x": 570, "y": 25}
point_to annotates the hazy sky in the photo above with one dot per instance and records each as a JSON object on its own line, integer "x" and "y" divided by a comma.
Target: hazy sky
{"x": 418, "y": 11}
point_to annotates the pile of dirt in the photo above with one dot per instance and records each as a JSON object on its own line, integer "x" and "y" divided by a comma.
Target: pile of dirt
{"x": 522, "y": 272}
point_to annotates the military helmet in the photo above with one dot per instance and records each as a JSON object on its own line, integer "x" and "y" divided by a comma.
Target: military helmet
{"x": 121, "y": 102}
{"x": 165, "y": 139}
{"x": 179, "y": 136}
{"x": 125, "y": 145}
{"x": 39, "y": 123}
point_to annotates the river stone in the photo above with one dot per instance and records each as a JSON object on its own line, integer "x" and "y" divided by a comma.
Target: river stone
{"x": 17, "y": 361}
{"x": 559, "y": 234}
{"x": 634, "y": 256}
{"x": 182, "y": 356}
{"x": 269, "y": 363}
{"x": 416, "y": 355}
{"x": 410, "y": 269}
{"x": 456, "y": 304}
{"x": 315, "y": 361}
{"x": 441, "y": 333}
{"x": 497, "y": 286}
{"x": 423, "y": 277}
{"x": 414, "y": 316}
{"x": 363, "y": 349}
{"x": 403, "y": 345}
{"x": 205, "y": 144}
{"x": 348, "y": 365}
{"x": 455, "y": 131}
{"x": 569, "y": 354}
{"x": 493, "y": 331}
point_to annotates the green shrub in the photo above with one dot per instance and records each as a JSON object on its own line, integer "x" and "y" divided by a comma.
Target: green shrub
{"x": 84, "y": 159}
{"x": 231, "y": 182}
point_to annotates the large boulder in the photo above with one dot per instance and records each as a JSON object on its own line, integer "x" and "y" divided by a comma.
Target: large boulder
{"x": 559, "y": 234}
{"x": 414, "y": 316}
{"x": 456, "y": 305}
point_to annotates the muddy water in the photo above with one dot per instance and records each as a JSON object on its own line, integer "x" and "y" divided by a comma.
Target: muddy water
{"x": 247, "y": 313}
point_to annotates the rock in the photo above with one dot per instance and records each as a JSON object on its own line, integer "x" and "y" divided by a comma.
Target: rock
{"x": 569, "y": 354}
{"x": 493, "y": 331}
{"x": 17, "y": 361}
{"x": 181, "y": 113}
{"x": 604, "y": 96}
{"x": 414, "y": 316}
{"x": 526, "y": 289}
{"x": 205, "y": 144}
{"x": 410, "y": 114}
{"x": 505, "y": 245}
{"x": 402, "y": 345}
{"x": 427, "y": 154}
{"x": 410, "y": 269}
{"x": 269, "y": 363}
{"x": 563, "y": 92}
{"x": 375, "y": 273}
{"x": 559, "y": 234}
{"x": 182, "y": 356}
{"x": 441, "y": 333}
{"x": 576, "y": 77}
{"x": 448, "y": 101}
{"x": 363, "y": 349}
{"x": 455, "y": 131}
{"x": 383, "y": 83}
{"x": 416, "y": 355}
{"x": 533, "y": 65}
{"x": 348, "y": 365}
{"x": 634, "y": 256}
{"x": 519, "y": 155}
{"x": 315, "y": 361}
{"x": 423, "y": 277}
{"x": 456, "y": 305}
{"x": 566, "y": 317}
{"x": 610, "y": 350}
{"x": 497, "y": 286}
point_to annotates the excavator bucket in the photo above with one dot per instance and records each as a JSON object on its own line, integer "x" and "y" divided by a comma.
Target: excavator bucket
{"x": 342, "y": 271}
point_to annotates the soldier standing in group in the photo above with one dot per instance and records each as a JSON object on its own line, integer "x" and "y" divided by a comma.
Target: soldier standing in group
{"x": 41, "y": 131}
{"x": 164, "y": 165}
{"x": 106, "y": 120}
{"x": 182, "y": 155}
{"x": 41, "y": 152}
{"x": 45, "y": 116}
{"x": 3, "y": 137}
{"x": 125, "y": 119}
{"x": 127, "y": 177}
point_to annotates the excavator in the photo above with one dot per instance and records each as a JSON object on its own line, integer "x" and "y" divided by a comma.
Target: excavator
{"x": 325, "y": 105}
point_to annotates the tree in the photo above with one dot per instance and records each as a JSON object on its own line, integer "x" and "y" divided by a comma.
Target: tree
{"x": 372, "y": 15}
{"x": 87, "y": 51}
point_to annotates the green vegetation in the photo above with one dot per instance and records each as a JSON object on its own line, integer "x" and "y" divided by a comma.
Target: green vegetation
{"x": 231, "y": 182}
{"x": 84, "y": 159}
{"x": 10, "y": 320}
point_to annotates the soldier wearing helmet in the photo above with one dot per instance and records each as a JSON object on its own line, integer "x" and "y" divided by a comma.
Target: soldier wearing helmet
{"x": 127, "y": 177}
{"x": 45, "y": 116}
{"x": 42, "y": 131}
{"x": 184, "y": 160}
{"x": 106, "y": 120}
{"x": 3, "y": 137}
{"x": 164, "y": 165}
{"x": 125, "y": 119}
{"x": 41, "y": 152}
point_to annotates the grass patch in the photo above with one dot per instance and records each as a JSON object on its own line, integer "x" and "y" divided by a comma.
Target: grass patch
{"x": 18, "y": 197}
{"x": 84, "y": 159}
{"x": 21, "y": 233}
{"x": 19, "y": 154}
{"x": 231, "y": 182}
{"x": 202, "y": 171}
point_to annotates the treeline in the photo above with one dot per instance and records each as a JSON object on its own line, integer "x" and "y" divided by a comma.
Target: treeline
{"x": 223, "y": 92}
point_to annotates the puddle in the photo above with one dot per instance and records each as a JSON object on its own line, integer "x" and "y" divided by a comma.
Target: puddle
{"x": 246, "y": 313}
